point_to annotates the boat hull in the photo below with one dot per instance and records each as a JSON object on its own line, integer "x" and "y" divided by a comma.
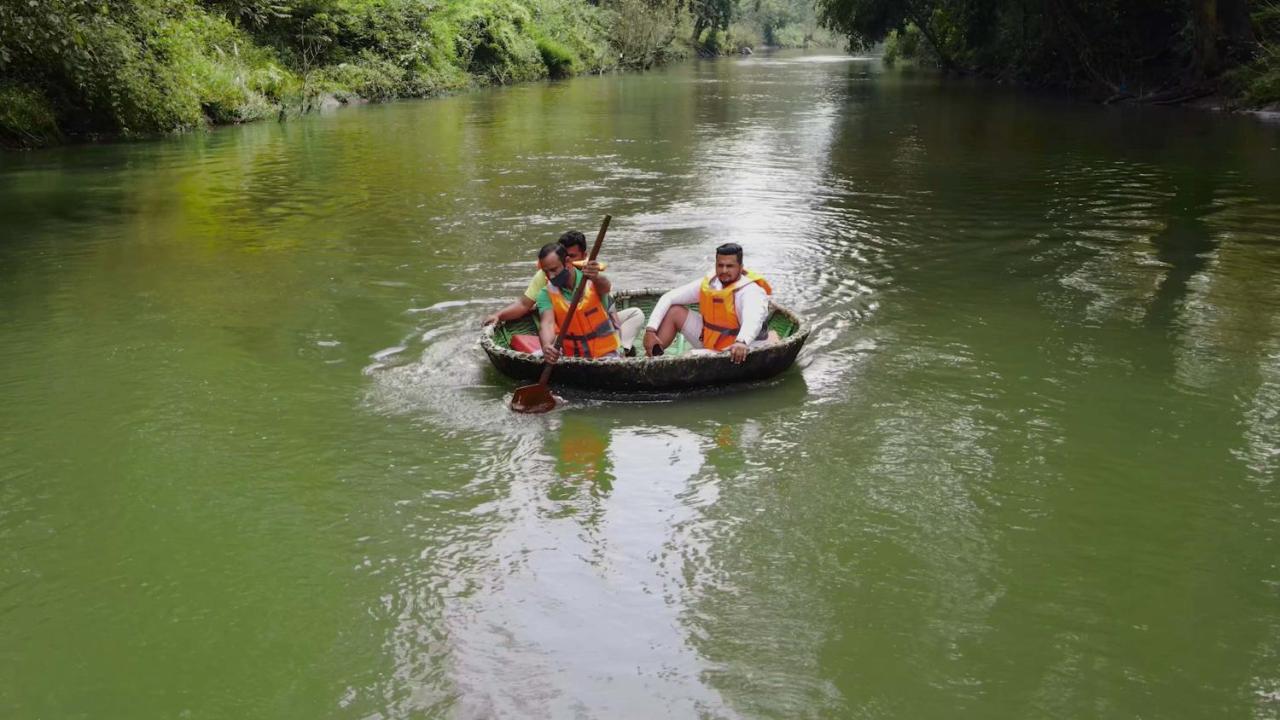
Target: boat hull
{"x": 664, "y": 373}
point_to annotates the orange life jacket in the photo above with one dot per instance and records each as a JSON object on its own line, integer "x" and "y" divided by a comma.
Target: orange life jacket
{"x": 720, "y": 323}
{"x": 590, "y": 333}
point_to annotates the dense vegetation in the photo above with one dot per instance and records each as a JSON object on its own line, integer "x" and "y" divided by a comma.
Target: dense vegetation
{"x": 121, "y": 67}
{"x": 1147, "y": 50}
{"x": 128, "y": 66}
{"x": 776, "y": 23}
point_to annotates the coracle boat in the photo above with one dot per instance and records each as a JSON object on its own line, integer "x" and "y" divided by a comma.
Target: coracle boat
{"x": 680, "y": 367}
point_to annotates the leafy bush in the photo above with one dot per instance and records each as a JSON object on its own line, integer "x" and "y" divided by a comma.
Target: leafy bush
{"x": 1258, "y": 81}
{"x": 791, "y": 36}
{"x": 112, "y": 67}
{"x": 714, "y": 42}
{"x": 905, "y": 45}
{"x": 492, "y": 45}
{"x": 582, "y": 28}
{"x": 136, "y": 66}
{"x": 144, "y": 66}
{"x": 643, "y": 32}
{"x": 368, "y": 75}
{"x": 741, "y": 36}
{"x": 233, "y": 79}
{"x": 560, "y": 60}
{"x": 26, "y": 118}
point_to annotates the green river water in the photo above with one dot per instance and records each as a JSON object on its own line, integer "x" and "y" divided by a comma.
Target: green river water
{"x": 253, "y": 463}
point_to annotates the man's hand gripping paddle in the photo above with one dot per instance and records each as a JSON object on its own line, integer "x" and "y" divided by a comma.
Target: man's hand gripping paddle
{"x": 537, "y": 398}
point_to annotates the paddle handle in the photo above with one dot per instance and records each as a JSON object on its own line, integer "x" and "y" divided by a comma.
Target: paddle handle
{"x": 577, "y": 297}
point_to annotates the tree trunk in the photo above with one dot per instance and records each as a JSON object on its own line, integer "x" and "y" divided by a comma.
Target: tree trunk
{"x": 1205, "y": 61}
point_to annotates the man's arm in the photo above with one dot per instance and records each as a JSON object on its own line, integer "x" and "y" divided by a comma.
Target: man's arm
{"x": 524, "y": 305}
{"x": 683, "y": 295}
{"x": 602, "y": 284}
{"x": 755, "y": 310}
{"x": 547, "y": 334}
{"x": 514, "y": 311}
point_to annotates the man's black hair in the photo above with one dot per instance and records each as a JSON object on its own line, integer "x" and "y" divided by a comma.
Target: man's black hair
{"x": 554, "y": 247}
{"x": 573, "y": 238}
{"x": 730, "y": 249}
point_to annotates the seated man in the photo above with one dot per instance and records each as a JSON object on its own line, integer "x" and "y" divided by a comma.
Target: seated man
{"x": 628, "y": 321}
{"x": 733, "y": 304}
{"x": 591, "y": 332}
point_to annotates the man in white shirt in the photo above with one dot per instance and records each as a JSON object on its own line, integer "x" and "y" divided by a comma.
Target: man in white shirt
{"x": 733, "y": 305}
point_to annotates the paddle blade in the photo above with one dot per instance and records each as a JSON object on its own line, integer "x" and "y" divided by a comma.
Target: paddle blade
{"x": 533, "y": 399}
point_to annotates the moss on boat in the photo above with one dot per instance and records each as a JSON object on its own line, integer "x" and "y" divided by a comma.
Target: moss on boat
{"x": 679, "y": 368}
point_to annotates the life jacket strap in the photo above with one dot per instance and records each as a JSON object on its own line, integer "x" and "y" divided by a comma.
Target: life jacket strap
{"x": 719, "y": 328}
{"x": 733, "y": 332}
{"x": 604, "y": 329}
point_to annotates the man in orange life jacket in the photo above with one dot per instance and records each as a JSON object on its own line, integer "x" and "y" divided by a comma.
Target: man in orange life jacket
{"x": 591, "y": 332}
{"x": 733, "y": 304}
{"x": 628, "y": 320}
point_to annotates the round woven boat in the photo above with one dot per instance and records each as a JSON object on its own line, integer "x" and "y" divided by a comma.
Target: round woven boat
{"x": 680, "y": 368}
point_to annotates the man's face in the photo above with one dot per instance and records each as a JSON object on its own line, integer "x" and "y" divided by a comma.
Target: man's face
{"x": 728, "y": 269}
{"x": 574, "y": 253}
{"x": 552, "y": 265}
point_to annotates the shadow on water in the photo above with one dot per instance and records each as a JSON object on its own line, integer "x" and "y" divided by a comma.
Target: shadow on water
{"x": 1186, "y": 243}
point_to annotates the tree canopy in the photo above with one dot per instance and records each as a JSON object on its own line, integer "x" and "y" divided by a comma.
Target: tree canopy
{"x": 1147, "y": 49}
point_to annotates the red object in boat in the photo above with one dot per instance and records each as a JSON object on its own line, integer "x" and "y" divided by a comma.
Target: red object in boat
{"x": 526, "y": 343}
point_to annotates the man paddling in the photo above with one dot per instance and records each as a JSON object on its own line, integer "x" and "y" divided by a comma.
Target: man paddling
{"x": 591, "y": 332}
{"x": 733, "y": 304}
{"x": 628, "y": 321}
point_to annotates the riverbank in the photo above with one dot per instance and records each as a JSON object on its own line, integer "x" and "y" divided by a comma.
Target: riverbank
{"x": 78, "y": 72}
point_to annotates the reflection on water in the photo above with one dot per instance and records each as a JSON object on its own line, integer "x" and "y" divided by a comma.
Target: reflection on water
{"x": 562, "y": 550}
{"x": 252, "y": 457}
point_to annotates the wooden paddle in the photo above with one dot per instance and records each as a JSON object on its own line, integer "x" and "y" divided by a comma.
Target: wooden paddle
{"x": 537, "y": 398}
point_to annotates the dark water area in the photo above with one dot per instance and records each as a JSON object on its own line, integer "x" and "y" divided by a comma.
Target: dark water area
{"x": 254, "y": 464}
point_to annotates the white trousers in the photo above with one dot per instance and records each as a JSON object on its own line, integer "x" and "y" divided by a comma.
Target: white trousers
{"x": 630, "y": 320}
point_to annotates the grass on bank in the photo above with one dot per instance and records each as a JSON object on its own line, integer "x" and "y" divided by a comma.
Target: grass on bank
{"x": 128, "y": 67}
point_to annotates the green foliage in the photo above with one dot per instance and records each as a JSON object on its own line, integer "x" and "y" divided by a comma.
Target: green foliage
{"x": 797, "y": 35}
{"x": 26, "y": 118}
{"x": 492, "y": 44}
{"x": 367, "y": 75}
{"x": 779, "y": 23}
{"x": 582, "y": 29}
{"x": 560, "y": 60}
{"x": 742, "y": 35}
{"x": 250, "y": 13}
{"x": 114, "y": 66}
{"x": 714, "y": 42}
{"x": 1155, "y": 49}
{"x": 140, "y": 66}
{"x": 232, "y": 79}
{"x": 906, "y": 44}
{"x": 1257, "y": 82}
{"x": 143, "y": 66}
{"x": 711, "y": 16}
{"x": 769, "y": 16}
{"x": 643, "y": 33}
